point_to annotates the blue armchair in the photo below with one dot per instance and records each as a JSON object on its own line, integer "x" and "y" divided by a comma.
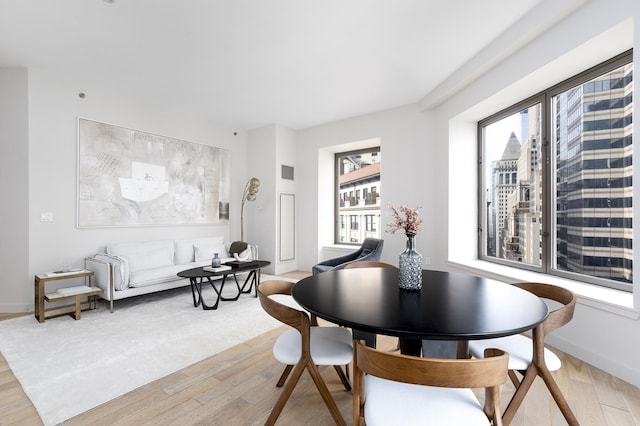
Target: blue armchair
{"x": 371, "y": 249}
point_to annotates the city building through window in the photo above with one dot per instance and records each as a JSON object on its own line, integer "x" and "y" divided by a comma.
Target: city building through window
{"x": 357, "y": 195}
{"x": 556, "y": 173}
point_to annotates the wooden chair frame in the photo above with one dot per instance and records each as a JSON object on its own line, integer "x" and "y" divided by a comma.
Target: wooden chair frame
{"x": 538, "y": 367}
{"x": 489, "y": 373}
{"x": 300, "y": 321}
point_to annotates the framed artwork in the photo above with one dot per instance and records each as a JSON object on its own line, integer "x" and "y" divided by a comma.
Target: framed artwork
{"x": 131, "y": 178}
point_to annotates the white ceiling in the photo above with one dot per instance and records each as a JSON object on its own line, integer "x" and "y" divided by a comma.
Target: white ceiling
{"x": 248, "y": 63}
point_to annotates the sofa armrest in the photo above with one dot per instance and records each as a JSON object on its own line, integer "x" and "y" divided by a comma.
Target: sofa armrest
{"x": 102, "y": 275}
{"x": 253, "y": 251}
{"x": 109, "y": 274}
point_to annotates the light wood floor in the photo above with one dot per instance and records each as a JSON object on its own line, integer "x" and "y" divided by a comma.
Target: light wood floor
{"x": 237, "y": 387}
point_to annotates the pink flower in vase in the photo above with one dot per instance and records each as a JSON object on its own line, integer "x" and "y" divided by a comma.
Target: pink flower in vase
{"x": 404, "y": 218}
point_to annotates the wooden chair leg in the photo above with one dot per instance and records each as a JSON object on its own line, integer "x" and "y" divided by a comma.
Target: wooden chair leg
{"x": 284, "y": 375}
{"x": 492, "y": 405}
{"x": 560, "y": 400}
{"x": 518, "y": 396}
{"x": 343, "y": 377}
{"x": 286, "y": 393}
{"x": 514, "y": 378}
{"x": 326, "y": 395}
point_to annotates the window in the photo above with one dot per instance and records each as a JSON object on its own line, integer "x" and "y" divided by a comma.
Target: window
{"x": 357, "y": 182}
{"x": 556, "y": 173}
{"x": 371, "y": 223}
{"x": 354, "y": 222}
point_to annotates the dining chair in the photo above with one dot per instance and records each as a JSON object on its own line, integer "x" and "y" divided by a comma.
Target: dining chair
{"x": 529, "y": 357}
{"x": 371, "y": 249}
{"x": 304, "y": 348}
{"x": 395, "y": 389}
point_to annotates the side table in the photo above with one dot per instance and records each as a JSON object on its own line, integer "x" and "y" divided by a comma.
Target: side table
{"x": 77, "y": 293}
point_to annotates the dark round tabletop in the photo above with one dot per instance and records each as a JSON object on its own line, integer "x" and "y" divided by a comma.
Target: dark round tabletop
{"x": 450, "y": 306}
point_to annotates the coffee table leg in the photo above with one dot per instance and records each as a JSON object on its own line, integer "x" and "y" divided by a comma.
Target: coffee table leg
{"x": 218, "y": 293}
{"x": 226, "y": 299}
{"x": 194, "y": 288}
{"x": 256, "y": 281}
{"x": 251, "y": 280}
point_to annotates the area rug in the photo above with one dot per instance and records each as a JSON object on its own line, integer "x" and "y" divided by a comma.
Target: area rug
{"x": 67, "y": 367}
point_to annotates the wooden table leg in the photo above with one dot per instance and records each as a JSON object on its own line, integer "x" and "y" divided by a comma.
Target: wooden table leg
{"x": 411, "y": 347}
{"x": 38, "y": 304}
{"x": 77, "y": 314}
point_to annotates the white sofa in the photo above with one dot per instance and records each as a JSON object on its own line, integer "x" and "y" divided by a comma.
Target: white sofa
{"x": 132, "y": 269}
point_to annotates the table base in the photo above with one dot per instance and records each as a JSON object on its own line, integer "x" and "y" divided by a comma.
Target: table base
{"x": 196, "y": 287}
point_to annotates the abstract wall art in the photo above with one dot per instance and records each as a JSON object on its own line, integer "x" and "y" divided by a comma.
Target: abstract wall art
{"x": 132, "y": 178}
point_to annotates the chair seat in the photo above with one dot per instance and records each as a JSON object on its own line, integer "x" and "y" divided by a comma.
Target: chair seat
{"x": 329, "y": 346}
{"x": 520, "y": 349}
{"x": 396, "y": 403}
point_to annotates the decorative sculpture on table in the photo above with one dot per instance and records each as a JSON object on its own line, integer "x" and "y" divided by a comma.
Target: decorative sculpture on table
{"x": 250, "y": 191}
{"x": 410, "y": 262}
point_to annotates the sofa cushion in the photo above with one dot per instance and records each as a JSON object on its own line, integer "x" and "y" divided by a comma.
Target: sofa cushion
{"x": 149, "y": 259}
{"x": 206, "y": 251}
{"x": 184, "y": 248}
{"x": 144, "y": 255}
{"x": 160, "y": 274}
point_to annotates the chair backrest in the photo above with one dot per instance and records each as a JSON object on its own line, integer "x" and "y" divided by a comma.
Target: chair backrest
{"x": 557, "y": 317}
{"x": 371, "y": 248}
{"x": 286, "y": 314}
{"x": 368, "y": 264}
{"x": 489, "y": 372}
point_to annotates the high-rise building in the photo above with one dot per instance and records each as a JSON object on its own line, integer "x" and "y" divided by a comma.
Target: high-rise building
{"x": 504, "y": 179}
{"x": 593, "y": 148}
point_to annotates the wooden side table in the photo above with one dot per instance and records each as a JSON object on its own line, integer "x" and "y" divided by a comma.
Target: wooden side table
{"x": 40, "y": 296}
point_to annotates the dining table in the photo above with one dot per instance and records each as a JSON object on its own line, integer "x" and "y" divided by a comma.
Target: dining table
{"x": 450, "y": 306}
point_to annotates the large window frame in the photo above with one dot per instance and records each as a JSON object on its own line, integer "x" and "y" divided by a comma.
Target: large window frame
{"x": 358, "y": 199}
{"x": 548, "y": 177}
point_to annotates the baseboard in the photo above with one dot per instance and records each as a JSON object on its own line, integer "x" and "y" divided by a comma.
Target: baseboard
{"x": 623, "y": 372}
{"x": 15, "y": 308}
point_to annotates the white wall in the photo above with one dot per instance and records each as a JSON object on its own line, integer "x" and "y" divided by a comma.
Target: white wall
{"x": 285, "y": 155}
{"x": 269, "y": 147}
{"x": 260, "y": 215}
{"x": 53, "y": 108}
{"x": 15, "y": 288}
{"x": 429, "y": 159}
{"x": 409, "y": 166}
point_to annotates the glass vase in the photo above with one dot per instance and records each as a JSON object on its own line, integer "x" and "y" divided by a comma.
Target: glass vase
{"x": 216, "y": 262}
{"x": 410, "y": 266}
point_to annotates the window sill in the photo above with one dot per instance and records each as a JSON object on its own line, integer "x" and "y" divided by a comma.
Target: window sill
{"x": 343, "y": 247}
{"x": 606, "y": 299}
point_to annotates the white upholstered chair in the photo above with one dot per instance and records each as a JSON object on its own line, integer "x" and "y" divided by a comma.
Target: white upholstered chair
{"x": 394, "y": 389}
{"x": 528, "y": 357}
{"x": 304, "y": 348}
